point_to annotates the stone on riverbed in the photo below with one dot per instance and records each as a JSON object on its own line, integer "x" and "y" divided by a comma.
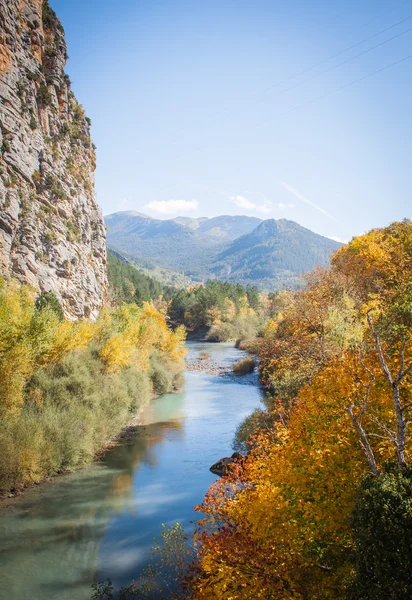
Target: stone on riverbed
{"x": 221, "y": 466}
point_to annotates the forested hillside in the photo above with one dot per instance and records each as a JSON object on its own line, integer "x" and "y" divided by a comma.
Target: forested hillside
{"x": 275, "y": 253}
{"x": 269, "y": 254}
{"x": 128, "y": 284}
{"x": 229, "y": 310}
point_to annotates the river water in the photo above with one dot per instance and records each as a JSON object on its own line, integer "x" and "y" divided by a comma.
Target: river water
{"x": 100, "y": 522}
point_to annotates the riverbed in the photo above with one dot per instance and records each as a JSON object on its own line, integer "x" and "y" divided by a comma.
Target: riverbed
{"x": 100, "y": 522}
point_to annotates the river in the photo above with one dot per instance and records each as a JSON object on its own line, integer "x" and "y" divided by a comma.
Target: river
{"x": 100, "y": 522}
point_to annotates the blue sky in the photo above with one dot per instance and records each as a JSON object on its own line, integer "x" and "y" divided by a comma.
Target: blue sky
{"x": 197, "y": 109}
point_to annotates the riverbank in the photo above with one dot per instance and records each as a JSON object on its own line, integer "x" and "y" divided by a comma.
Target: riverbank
{"x": 115, "y": 440}
{"x": 204, "y": 363}
{"x": 99, "y": 522}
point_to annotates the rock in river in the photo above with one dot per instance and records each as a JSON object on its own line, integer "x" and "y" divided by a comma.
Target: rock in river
{"x": 221, "y": 466}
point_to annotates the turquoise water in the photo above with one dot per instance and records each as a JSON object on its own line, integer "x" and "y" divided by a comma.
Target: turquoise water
{"x": 100, "y": 522}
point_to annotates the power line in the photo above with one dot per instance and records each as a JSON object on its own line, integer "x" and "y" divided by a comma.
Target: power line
{"x": 342, "y": 87}
{"x": 321, "y": 97}
{"x": 319, "y": 64}
{"x": 343, "y": 62}
{"x": 307, "y": 70}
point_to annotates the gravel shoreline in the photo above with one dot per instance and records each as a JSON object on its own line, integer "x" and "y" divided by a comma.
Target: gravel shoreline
{"x": 207, "y": 366}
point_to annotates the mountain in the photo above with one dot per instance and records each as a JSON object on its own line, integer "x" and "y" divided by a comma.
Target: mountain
{"x": 52, "y": 235}
{"x": 273, "y": 253}
{"x": 189, "y": 222}
{"x": 228, "y": 227}
{"x": 266, "y": 253}
{"x": 180, "y": 244}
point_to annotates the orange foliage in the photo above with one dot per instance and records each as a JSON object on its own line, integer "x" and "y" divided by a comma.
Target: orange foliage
{"x": 278, "y": 526}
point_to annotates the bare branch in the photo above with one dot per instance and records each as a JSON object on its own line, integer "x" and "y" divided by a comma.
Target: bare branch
{"x": 364, "y": 442}
{"x": 385, "y": 428}
{"x": 400, "y": 441}
{"x": 380, "y": 351}
{"x": 406, "y": 372}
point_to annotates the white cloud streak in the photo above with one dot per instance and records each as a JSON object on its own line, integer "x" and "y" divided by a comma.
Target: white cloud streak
{"x": 171, "y": 207}
{"x": 337, "y": 239}
{"x": 303, "y": 198}
{"x": 245, "y": 203}
{"x": 283, "y": 206}
{"x": 266, "y": 207}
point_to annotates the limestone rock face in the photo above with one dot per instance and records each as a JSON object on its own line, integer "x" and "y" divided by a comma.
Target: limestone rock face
{"x": 52, "y": 234}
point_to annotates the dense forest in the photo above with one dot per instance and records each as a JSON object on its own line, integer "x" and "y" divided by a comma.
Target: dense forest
{"x": 128, "y": 284}
{"x": 321, "y": 506}
{"x": 230, "y": 311}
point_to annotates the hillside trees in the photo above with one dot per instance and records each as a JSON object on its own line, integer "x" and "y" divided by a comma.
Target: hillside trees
{"x": 337, "y": 360}
{"x": 128, "y": 284}
{"x": 232, "y": 311}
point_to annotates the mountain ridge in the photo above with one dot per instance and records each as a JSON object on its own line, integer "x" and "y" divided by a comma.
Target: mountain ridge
{"x": 269, "y": 253}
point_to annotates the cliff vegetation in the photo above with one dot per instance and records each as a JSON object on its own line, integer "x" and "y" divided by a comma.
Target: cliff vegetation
{"x": 52, "y": 234}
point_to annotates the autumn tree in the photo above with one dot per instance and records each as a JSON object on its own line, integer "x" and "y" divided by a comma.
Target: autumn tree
{"x": 337, "y": 358}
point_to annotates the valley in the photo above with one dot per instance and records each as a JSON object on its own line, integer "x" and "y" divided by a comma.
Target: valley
{"x": 191, "y": 407}
{"x": 269, "y": 254}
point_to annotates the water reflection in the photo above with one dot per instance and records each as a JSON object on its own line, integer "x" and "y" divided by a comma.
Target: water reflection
{"x": 100, "y": 522}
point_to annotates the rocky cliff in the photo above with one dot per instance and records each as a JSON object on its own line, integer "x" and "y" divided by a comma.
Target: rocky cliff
{"x": 52, "y": 234}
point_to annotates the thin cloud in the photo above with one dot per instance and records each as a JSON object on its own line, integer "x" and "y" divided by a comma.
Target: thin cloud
{"x": 337, "y": 239}
{"x": 283, "y": 206}
{"x": 307, "y": 201}
{"x": 171, "y": 207}
{"x": 247, "y": 204}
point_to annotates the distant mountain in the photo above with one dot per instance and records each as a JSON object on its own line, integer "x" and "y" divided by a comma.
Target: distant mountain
{"x": 190, "y": 222}
{"x": 229, "y": 227}
{"x": 180, "y": 244}
{"x": 234, "y": 248}
{"x": 274, "y": 252}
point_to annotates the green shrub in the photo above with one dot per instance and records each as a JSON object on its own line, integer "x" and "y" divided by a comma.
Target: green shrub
{"x": 259, "y": 419}
{"x": 241, "y": 328}
{"x": 165, "y": 374}
{"x": 44, "y": 96}
{"x": 382, "y": 530}
{"x": 244, "y": 366}
{"x": 54, "y": 185}
{"x": 5, "y": 147}
{"x": 287, "y": 386}
{"x": 49, "y": 300}
{"x": 251, "y": 346}
{"x": 224, "y": 332}
{"x": 50, "y": 20}
{"x": 76, "y": 408}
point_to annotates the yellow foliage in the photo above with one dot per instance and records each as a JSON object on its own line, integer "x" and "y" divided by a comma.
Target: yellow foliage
{"x": 139, "y": 332}
{"x": 31, "y": 339}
